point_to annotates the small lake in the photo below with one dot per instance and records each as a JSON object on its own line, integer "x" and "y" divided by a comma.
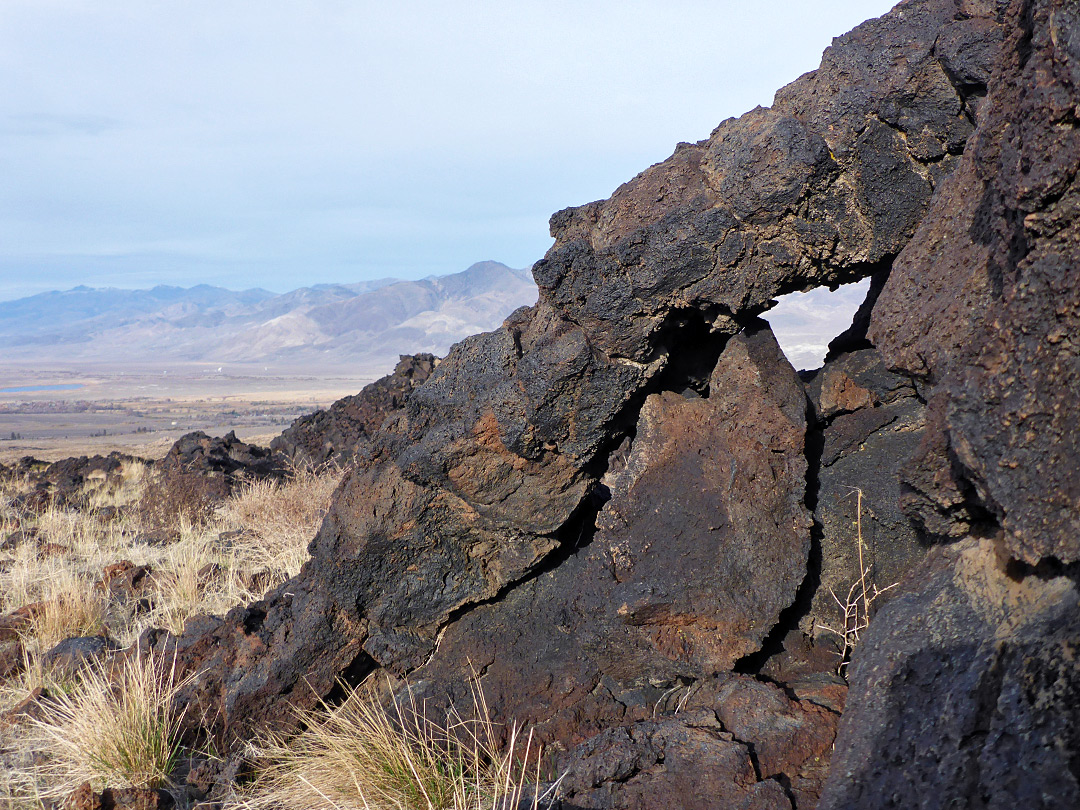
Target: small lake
{"x": 22, "y": 389}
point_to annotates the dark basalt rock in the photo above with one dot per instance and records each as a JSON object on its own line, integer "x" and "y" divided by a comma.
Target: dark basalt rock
{"x": 985, "y": 304}
{"x": 818, "y": 190}
{"x": 965, "y": 689}
{"x": 715, "y": 483}
{"x": 200, "y": 471}
{"x": 604, "y": 506}
{"x": 492, "y": 463}
{"x": 684, "y": 761}
{"x": 130, "y": 798}
{"x": 71, "y": 655}
{"x": 870, "y": 423}
{"x": 790, "y": 740}
{"x": 11, "y": 658}
{"x": 226, "y": 455}
{"x": 32, "y": 707}
{"x": 335, "y": 435}
{"x": 472, "y": 484}
{"x": 63, "y": 482}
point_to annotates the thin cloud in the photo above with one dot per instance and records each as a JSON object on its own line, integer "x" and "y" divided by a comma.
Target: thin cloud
{"x": 246, "y": 144}
{"x": 44, "y": 125}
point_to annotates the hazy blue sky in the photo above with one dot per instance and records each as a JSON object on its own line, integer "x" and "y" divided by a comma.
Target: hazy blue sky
{"x": 280, "y": 144}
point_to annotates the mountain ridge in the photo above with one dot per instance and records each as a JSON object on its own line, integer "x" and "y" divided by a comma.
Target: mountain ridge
{"x": 362, "y": 321}
{"x": 372, "y": 322}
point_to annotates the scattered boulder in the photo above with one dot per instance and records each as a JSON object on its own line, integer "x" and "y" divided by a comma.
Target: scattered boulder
{"x": 65, "y": 482}
{"x": 11, "y": 658}
{"x": 684, "y": 761}
{"x": 226, "y": 455}
{"x": 135, "y": 799}
{"x": 72, "y": 655}
{"x": 14, "y": 624}
{"x": 158, "y": 537}
{"x": 198, "y": 473}
{"x": 84, "y": 798}
{"x": 124, "y": 580}
{"x": 19, "y": 537}
{"x": 30, "y": 706}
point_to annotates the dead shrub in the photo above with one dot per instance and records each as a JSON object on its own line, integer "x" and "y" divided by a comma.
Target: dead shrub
{"x": 174, "y": 495}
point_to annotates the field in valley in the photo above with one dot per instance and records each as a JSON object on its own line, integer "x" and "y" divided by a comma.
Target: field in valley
{"x": 56, "y": 412}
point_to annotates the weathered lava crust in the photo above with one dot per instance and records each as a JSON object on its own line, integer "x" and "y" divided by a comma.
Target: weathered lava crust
{"x": 628, "y": 514}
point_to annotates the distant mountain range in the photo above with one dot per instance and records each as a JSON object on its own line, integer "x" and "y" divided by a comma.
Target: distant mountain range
{"x": 365, "y": 324}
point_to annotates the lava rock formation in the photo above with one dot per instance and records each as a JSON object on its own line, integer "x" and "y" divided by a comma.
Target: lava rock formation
{"x": 629, "y": 515}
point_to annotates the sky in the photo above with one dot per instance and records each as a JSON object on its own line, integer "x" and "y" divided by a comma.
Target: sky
{"x": 283, "y": 143}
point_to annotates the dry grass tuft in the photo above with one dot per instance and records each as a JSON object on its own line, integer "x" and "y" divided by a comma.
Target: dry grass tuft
{"x": 118, "y": 490}
{"x": 278, "y": 519}
{"x": 362, "y": 756}
{"x": 71, "y": 607}
{"x": 253, "y": 541}
{"x": 120, "y": 732}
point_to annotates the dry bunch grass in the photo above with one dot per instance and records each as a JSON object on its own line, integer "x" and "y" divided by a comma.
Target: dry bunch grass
{"x": 271, "y": 524}
{"x": 363, "y": 756}
{"x": 71, "y": 607}
{"x": 120, "y": 731}
{"x": 278, "y": 519}
{"x": 270, "y": 527}
{"x": 121, "y": 490}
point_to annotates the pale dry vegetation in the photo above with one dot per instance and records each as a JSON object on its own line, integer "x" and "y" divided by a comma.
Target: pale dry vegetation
{"x": 56, "y": 573}
{"x": 114, "y": 722}
{"x": 362, "y": 755}
{"x": 116, "y": 729}
{"x": 859, "y": 604}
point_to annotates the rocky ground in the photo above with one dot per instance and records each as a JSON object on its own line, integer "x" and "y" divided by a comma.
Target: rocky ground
{"x": 701, "y": 578}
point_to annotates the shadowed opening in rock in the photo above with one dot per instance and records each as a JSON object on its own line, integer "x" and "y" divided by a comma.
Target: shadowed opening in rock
{"x": 805, "y": 322}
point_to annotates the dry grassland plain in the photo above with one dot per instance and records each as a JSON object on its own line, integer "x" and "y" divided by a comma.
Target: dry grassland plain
{"x": 141, "y": 409}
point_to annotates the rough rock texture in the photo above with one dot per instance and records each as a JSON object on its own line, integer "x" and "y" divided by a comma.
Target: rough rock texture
{"x": 966, "y": 692}
{"x": 604, "y": 507}
{"x": 13, "y": 624}
{"x": 605, "y": 634}
{"x": 819, "y": 189}
{"x": 11, "y": 658}
{"x": 63, "y": 482}
{"x": 227, "y": 456}
{"x": 84, "y": 798}
{"x": 717, "y": 486}
{"x": 870, "y": 422}
{"x": 984, "y": 303}
{"x": 32, "y": 706}
{"x": 336, "y": 433}
{"x": 495, "y": 462}
{"x": 71, "y": 655}
{"x": 199, "y": 472}
{"x": 687, "y": 762}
